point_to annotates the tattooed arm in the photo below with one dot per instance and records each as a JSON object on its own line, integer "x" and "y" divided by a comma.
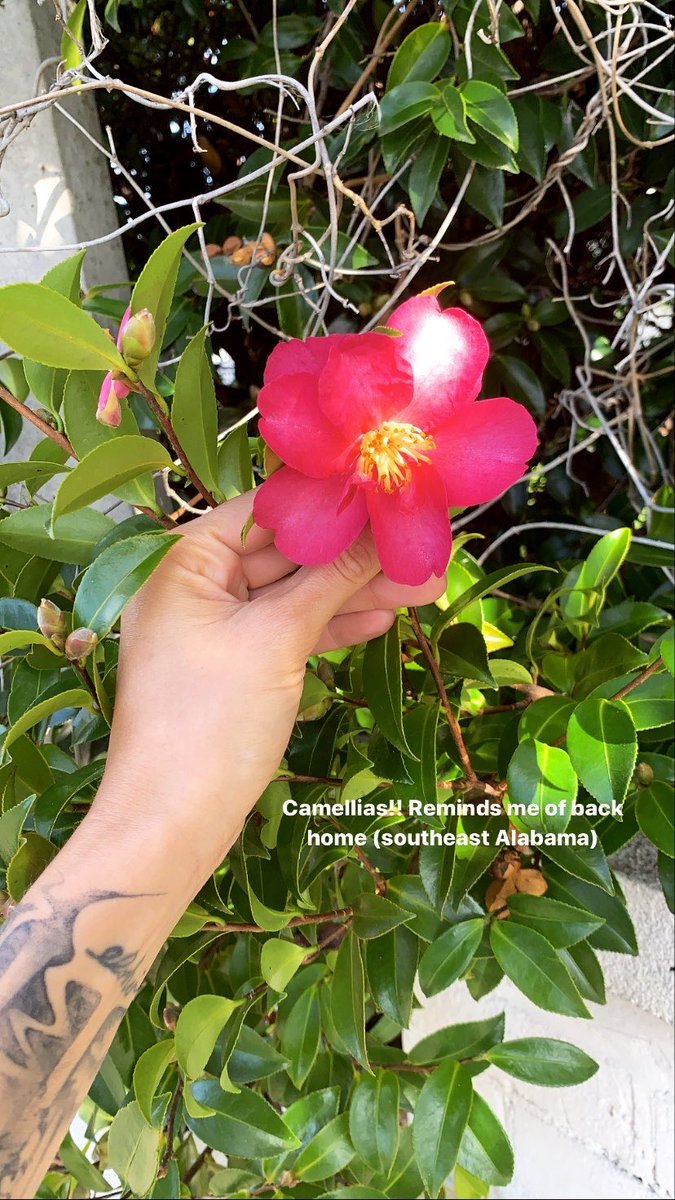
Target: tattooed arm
{"x": 211, "y": 669}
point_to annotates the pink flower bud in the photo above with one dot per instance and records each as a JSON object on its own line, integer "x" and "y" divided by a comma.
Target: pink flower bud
{"x": 52, "y": 622}
{"x": 138, "y": 337}
{"x": 80, "y": 643}
{"x": 109, "y": 409}
{"x": 123, "y": 324}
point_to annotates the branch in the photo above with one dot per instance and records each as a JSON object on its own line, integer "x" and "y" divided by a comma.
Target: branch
{"x": 442, "y": 692}
{"x": 173, "y": 438}
{"x": 634, "y": 683}
{"x": 339, "y": 914}
{"x": 28, "y": 415}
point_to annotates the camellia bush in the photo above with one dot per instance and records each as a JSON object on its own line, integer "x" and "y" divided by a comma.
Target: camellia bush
{"x": 454, "y": 791}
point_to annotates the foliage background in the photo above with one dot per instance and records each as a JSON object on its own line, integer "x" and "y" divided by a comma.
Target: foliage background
{"x": 524, "y": 155}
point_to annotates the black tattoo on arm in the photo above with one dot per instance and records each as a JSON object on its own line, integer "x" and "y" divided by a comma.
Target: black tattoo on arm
{"x": 64, "y": 988}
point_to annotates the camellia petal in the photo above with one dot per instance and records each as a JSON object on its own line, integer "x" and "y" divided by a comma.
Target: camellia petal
{"x": 312, "y": 523}
{"x": 123, "y": 324}
{"x": 411, "y": 528}
{"x": 298, "y": 357}
{"x": 296, "y": 429}
{"x": 364, "y": 382}
{"x": 483, "y": 450}
{"x": 447, "y": 351}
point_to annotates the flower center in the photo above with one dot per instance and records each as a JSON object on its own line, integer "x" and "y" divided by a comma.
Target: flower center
{"x": 388, "y": 453}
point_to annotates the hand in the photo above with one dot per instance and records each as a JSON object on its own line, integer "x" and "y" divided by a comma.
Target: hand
{"x": 212, "y": 663}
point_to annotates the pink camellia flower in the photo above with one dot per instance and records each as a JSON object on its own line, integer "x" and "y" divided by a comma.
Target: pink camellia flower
{"x": 109, "y": 409}
{"x": 386, "y": 429}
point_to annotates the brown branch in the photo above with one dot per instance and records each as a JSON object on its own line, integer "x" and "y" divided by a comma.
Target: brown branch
{"x": 167, "y": 427}
{"x": 28, "y": 415}
{"x": 171, "y": 1124}
{"x": 634, "y": 683}
{"x": 339, "y": 914}
{"x": 199, "y": 1162}
{"x": 435, "y": 669}
{"x": 384, "y": 40}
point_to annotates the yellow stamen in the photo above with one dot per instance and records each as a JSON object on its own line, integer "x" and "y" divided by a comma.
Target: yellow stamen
{"x": 388, "y": 453}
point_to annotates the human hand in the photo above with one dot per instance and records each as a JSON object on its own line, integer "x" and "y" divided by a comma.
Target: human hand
{"x": 212, "y": 664}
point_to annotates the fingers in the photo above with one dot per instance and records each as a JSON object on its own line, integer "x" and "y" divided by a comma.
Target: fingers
{"x": 314, "y": 595}
{"x": 349, "y": 629}
{"x": 382, "y": 593}
{"x": 227, "y": 523}
{"x": 264, "y": 568}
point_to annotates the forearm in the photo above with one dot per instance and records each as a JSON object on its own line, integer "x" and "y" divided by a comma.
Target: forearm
{"x": 73, "y": 954}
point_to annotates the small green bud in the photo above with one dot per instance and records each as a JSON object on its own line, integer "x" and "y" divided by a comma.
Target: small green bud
{"x": 80, "y": 643}
{"x": 52, "y": 622}
{"x": 138, "y": 337}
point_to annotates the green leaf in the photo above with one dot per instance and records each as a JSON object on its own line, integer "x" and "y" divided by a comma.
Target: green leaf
{"x": 542, "y": 787}
{"x": 667, "y": 879}
{"x": 667, "y": 648}
{"x": 329, "y": 1151}
{"x": 449, "y": 114}
{"x": 148, "y": 1074}
{"x": 235, "y": 471}
{"x": 27, "y": 864}
{"x": 198, "y": 1028}
{"x": 490, "y": 109}
{"x": 532, "y": 964}
{"x": 486, "y": 192}
{"x": 459, "y": 1041}
{"x": 77, "y": 1164}
{"x": 16, "y": 472}
{"x": 133, "y": 1148}
{"x": 449, "y": 956}
{"x": 425, "y": 175}
{"x": 154, "y": 291}
{"x": 73, "y": 36}
{"x": 486, "y": 1151}
{"x": 105, "y": 469}
{"x": 544, "y": 1061}
{"x": 383, "y": 685}
{"x": 115, "y": 576}
{"x": 242, "y": 1125}
{"x": 650, "y": 704}
{"x": 602, "y": 745}
{"x": 71, "y": 698}
{"x": 441, "y": 1115}
{"x": 20, "y": 639}
{"x": 617, "y": 933}
{"x": 421, "y": 55}
{"x": 561, "y": 924}
{"x": 302, "y": 1035}
{"x": 45, "y": 326}
{"x": 463, "y": 653}
{"x": 279, "y": 960}
{"x": 655, "y": 809}
{"x": 608, "y": 656}
{"x": 546, "y": 720}
{"x": 402, "y": 104}
{"x": 588, "y": 863}
{"x": 64, "y": 276}
{"x": 374, "y": 1119}
{"x": 80, "y": 398}
{"x": 392, "y": 965}
{"x": 602, "y": 564}
{"x": 375, "y": 915}
{"x": 348, "y": 999}
{"x": 253, "y": 1057}
{"x": 27, "y": 530}
{"x": 194, "y": 412}
{"x": 482, "y": 587}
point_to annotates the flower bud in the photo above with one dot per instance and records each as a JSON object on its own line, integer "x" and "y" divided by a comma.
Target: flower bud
{"x": 138, "y": 337}
{"x": 644, "y": 774}
{"x": 170, "y": 1016}
{"x": 109, "y": 409}
{"x": 231, "y": 244}
{"x": 52, "y": 622}
{"x": 80, "y": 643}
{"x": 213, "y": 249}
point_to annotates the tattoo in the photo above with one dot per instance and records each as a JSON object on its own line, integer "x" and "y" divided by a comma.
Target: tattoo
{"x": 63, "y": 992}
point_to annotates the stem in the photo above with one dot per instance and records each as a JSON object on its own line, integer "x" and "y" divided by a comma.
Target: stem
{"x": 62, "y": 441}
{"x": 435, "y": 669}
{"x": 162, "y": 419}
{"x": 646, "y": 674}
{"x": 199, "y": 1162}
{"x": 28, "y": 415}
{"x": 339, "y": 914}
{"x": 171, "y": 1123}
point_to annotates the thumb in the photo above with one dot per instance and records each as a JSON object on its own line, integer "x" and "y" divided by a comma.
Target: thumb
{"x": 316, "y": 594}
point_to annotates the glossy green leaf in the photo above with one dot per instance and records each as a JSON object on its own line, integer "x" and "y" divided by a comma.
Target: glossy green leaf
{"x": 449, "y": 114}
{"x": 28, "y": 530}
{"x": 243, "y": 1125}
{"x": 585, "y": 862}
{"x": 115, "y": 576}
{"x": 279, "y": 960}
{"x": 441, "y": 1115}
{"x": 421, "y": 55}
{"x": 383, "y": 686}
{"x": 617, "y": 933}
{"x": 16, "y": 472}
{"x": 449, "y": 956}
{"x": 133, "y": 1148}
{"x": 561, "y": 924}
{"x": 542, "y": 787}
{"x": 532, "y": 964}
{"x": 463, "y": 653}
{"x": 107, "y": 468}
{"x": 302, "y": 1035}
{"x": 482, "y": 587}
{"x": 348, "y": 1006}
{"x": 425, "y": 175}
{"x": 459, "y": 1041}
{"x": 329, "y": 1151}
{"x": 392, "y": 965}
{"x": 198, "y": 1028}
{"x": 375, "y": 915}
{"x": 400, "y": 105}
{"x": 194, "y": 413}
{"x": 148, "y": 1074}
{"x": 374, "y": 1119}
{"x": 70, "y": 698}
{"x": 544, "y": 1061}
{"x": 602, "y": 745}
{"x": 488, "y": 107}
{"x": 154, "y": 291}
{"x": 43, "y": 325}
{"x": 73, "y": 36}
{"x": 655, "y": 810}
{"x": 486, "y": 1151}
